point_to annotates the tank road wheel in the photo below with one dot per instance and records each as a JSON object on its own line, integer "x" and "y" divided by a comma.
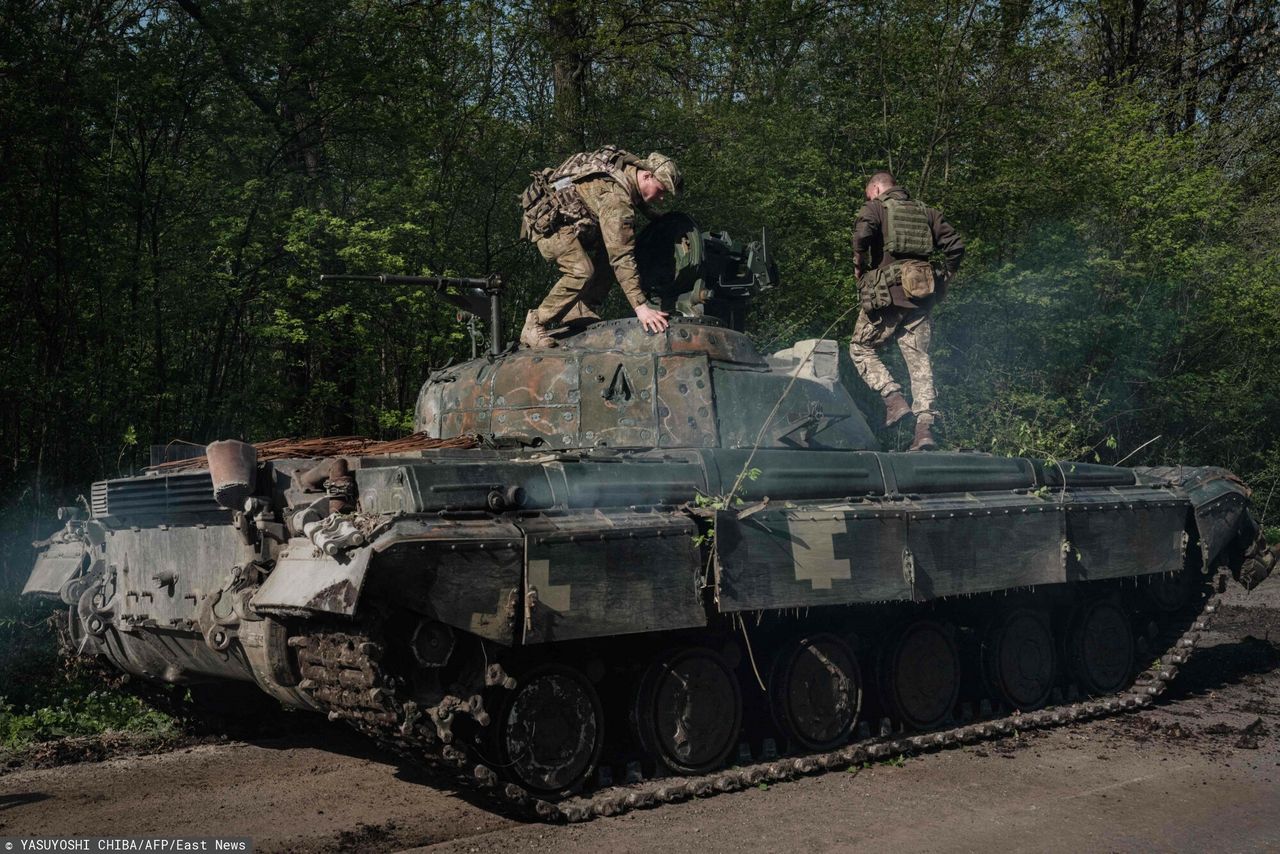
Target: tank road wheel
{"x": 1100, "y": 647}
{"x": 1018, "y": 659}
{"x": 920, "y": 675}
{"x": 551, "y": 730}
{"x": 816, "y": 691}
{"x": 688, "y": 711}
{"x": 1168, "y": 593}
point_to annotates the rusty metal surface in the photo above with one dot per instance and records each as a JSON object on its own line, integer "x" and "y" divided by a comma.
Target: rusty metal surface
{"x": 466, "y": 398}
{"x": 331, "y": 446}
{"x": 619, "y": 399}
{"x": 233, "y": 468}
{"x": 553, "y": 426}
{"x": 428, "y": 409}
{"x": 685, "y": 335}
{"x": 723, "y": 345}
{"x": 686, "y": 413}
{"x": 535, "y": 398}
{"x": 541, "y": 379}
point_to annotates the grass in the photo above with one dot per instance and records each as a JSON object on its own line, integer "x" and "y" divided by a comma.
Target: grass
{"x": 92, "y": 713}
{"x": 44, "y": 698}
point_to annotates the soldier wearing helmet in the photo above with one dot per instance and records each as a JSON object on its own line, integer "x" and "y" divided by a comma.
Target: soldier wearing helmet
{"x": 581, "y": 216}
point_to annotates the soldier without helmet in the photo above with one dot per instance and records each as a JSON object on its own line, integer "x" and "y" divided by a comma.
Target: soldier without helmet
{"x": 898, "y": 234}
{"x": 581, "y": 216}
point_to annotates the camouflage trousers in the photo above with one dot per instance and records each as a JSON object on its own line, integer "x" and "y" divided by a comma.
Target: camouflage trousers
{"x": 585, "y": 277}
{"x": 912, "y": 328}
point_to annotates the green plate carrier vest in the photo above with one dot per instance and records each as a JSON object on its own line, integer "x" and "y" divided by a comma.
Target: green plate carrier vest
{"x": 906, "y": 231}
{"x": 909, "y": 239}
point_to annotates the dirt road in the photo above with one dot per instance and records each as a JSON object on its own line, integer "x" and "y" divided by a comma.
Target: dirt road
{"x": 1198, "y": 771}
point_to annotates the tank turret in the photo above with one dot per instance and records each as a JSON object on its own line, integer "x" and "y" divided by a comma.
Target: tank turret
{"x": 697, "y": 385}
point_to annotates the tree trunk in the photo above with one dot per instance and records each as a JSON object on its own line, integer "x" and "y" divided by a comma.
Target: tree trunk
{"x": 566, "y": 36}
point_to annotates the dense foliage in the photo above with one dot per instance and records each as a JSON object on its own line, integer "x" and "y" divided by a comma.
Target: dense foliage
{"x": 177, "y": 172}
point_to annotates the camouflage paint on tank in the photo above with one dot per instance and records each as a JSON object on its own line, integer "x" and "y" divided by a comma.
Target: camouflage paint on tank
{"x": 466, "y": 399}
{"x": 611, "y": 573}
{"x": 465, "y": 573}
{"x": 918, "y": 548}
{"x": 618, "y": 400}
{"x": 697, "y": 385}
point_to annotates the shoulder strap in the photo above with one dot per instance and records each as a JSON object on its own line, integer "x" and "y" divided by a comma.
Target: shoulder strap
{"x": 607, "y": 160}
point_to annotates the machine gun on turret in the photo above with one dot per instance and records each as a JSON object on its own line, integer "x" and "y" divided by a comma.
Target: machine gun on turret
{"x": 684, "y": 269}
{"x": 692, "y": 272}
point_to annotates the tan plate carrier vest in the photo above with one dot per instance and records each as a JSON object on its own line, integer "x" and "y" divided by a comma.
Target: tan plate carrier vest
{"x": 552, "y": 201}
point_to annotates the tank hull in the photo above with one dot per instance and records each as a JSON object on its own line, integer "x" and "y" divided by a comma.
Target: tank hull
{"x": 611, "y": 544}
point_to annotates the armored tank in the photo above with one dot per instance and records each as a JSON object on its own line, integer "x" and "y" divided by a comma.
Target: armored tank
{"x": 636, "y": 568}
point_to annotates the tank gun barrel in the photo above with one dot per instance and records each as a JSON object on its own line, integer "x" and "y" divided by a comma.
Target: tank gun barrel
{"x": 486, "y": 284}
{"x": 478, "y": 296}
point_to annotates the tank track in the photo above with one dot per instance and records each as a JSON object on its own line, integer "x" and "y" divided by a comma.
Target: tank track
{"x": 342, "y": 670}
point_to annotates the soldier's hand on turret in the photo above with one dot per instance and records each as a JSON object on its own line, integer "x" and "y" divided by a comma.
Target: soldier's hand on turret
{"x": 651, "y": 319}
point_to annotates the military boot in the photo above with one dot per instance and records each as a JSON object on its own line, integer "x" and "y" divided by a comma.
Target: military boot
{"x": 924, "y": 436}
{"x": 535, "y": 335}
{"x": 895, "y": 408}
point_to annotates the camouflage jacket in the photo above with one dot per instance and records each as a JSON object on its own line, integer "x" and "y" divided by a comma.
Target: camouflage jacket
{"x": 610, "y": 216}
{"x": 868, "y": 234}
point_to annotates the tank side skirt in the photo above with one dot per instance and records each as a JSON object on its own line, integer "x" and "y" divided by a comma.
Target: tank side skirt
{"x": 306, "y": 579}
{"x": 54, "y": 567}
{"x": 917, "y": 548}
{"x": 610, "y": 573}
